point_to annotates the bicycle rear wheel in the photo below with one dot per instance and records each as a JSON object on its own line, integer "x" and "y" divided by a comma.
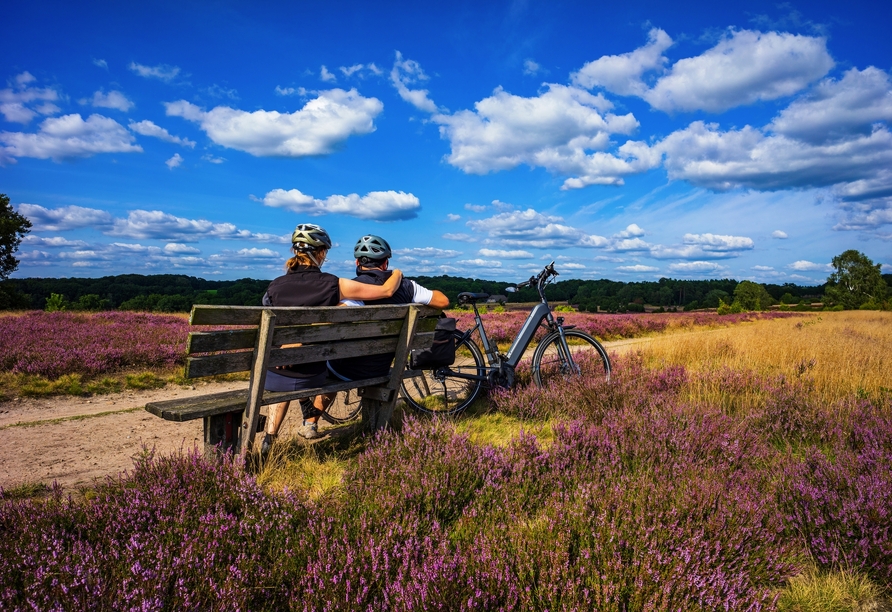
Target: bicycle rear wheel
{"x": 440, "y": 390}
{"x": 344, "y": 408}
{"x": 551, "y": 363}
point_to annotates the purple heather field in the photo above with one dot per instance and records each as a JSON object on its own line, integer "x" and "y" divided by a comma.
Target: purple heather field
{"x": 53, "y": 344}
{"x": 641, "y": 500}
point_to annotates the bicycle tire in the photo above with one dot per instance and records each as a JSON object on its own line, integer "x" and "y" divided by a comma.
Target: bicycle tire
{"x": 549, "y": 362}
{"x": 435, "y": 392}
{"x": 341, "y": 410}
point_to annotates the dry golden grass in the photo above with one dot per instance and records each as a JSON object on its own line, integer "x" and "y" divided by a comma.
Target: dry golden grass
{"x": 844, "y": 353}
{"x": 839, "y": 591}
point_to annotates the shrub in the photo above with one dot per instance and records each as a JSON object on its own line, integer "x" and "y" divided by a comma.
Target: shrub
{"x": 56, "y": 303}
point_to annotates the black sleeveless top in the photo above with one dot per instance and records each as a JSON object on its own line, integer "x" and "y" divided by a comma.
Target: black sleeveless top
{"x": 371, "y": 366}
{"x": 304, "y": 286}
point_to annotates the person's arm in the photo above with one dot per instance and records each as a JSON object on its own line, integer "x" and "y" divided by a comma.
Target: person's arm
{"x": 429, "y": 297}
{"x": 439, "y": 300}
{"x": 353, "y": 290}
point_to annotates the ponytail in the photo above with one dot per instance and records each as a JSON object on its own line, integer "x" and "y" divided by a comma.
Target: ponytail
{"x": 302, "y": 259}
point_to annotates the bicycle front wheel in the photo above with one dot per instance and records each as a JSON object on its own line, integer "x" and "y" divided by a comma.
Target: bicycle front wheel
{"x": 442, "y": 390}
{"x": 552, "y": 363}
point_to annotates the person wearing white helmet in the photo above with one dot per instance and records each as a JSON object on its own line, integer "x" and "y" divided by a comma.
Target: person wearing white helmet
{"x": 304, "y": 284}
{"x": 373, "y": 255}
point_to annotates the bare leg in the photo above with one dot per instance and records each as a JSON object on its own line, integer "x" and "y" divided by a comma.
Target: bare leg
{"x": 321, "y": 402}
{"x": 276, "y": 415}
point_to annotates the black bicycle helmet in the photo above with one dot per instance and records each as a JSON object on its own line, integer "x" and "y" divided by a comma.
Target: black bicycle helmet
{"x": 310, "y": 237}
{"x": 372, "y": 247}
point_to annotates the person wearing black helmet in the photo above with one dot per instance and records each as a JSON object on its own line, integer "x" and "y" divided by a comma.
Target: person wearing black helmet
{"x": 373, "y": 255}
{"x": 304, "y": 284}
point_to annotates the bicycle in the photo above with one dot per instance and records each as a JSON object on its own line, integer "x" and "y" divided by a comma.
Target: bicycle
{"x": 448, "y": 390}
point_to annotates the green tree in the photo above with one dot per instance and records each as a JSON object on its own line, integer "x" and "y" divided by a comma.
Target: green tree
{"x": 13, "y": 227}
{"x": 856, "y": 281}
{"x": 752, "y": 296}
{"x": 714, "y": 297}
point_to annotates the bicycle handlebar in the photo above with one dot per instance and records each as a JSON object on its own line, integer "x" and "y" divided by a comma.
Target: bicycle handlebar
{"x": 540, "y": 279}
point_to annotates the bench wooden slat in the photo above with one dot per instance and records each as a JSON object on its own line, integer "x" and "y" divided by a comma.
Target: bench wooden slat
{"x": 299, "y": 315}
{"x": 311, "y": 334}
{"x": 224, "y": 340}
{"x": 229, "y": 363}
{"x": 188, "y": 409}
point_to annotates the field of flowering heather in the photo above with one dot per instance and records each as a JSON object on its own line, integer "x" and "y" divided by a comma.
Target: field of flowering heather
{"x": 53, "y": 344}
{"x": 503, "y": 327}
{"x": 641, "y": 500}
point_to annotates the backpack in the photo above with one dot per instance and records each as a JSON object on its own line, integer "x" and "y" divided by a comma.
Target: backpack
{"x": 442, "y": 351}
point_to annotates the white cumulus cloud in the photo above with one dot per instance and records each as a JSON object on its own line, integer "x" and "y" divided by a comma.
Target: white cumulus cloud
{"x": 428, "y": 252}
{"x": 637, "y": 268}
{"x": 148, "y": 128}
{"x": 21, "y": 102}
{"x": 744, "y": 67}
{"x": 174, "y": 161}
{"x": 178, "y": 248}
{"x": 531, "y": 229}
{"x": 376, "y": 205}
{"x": 155, "y": 224}
{"x": 112, "y": 99}
{"x": 703, "y": 267}
{"x": 807, "y": 266}
{"x": 714, "y": 242}
{"x": 55, "y": 241}
{"x": 409, "y": 72}
{"x": 326, "y": 75}
{"x": 65, "y": 218}
{"x": 565, "y": 130}
{"x": 318, "y": 128}
{"x": 504, "y": 254}
{"x": 162, "y": 72}
{"x": 622, "y": 74}
{"x": 839, "y": 109}
{"x": 778, "y": 234}
{"x": 480, "y": 263}
{"x": 70, "y": 136}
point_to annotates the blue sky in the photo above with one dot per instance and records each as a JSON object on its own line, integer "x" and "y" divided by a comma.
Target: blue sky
{"x": 630, "y": 142}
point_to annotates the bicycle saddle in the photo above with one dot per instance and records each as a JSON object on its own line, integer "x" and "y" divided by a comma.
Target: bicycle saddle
{"x": 466, "y": 297}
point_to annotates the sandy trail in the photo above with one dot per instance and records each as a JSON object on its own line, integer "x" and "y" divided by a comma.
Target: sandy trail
{"x": 75, "y": 440}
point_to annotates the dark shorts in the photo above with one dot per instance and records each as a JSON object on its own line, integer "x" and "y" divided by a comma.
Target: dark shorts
{"x": 277, "y": 382}
{"x": 342, "y": 373}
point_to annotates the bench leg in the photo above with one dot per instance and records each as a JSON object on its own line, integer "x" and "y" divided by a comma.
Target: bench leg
{"x": 221, "y": 432}
{"x": 376, "y": 414}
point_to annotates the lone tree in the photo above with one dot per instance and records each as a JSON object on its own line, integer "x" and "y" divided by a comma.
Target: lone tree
{"x": 13, "y": 227}
{"x": 752, "y": 296}
{"x": 857, "y": 281}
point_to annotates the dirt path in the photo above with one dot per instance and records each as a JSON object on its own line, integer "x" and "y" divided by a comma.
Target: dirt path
{"x": 76, "y": 440}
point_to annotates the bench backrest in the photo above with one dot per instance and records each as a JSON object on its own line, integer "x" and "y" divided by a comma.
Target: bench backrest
{"x": 322, "y": 332}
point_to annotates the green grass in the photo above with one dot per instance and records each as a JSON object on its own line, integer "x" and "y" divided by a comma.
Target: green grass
{"x": 27, "y": 385}
{"x": 27, "y": 490}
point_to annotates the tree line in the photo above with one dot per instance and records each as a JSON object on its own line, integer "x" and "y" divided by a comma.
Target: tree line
{"x": 178, "y": 293}
{"x": 857, "y": 282}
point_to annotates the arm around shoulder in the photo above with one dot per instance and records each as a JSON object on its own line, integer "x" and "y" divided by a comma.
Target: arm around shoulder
{"x": 353, "y": 290}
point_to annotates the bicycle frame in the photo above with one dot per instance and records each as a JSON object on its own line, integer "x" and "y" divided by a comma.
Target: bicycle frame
{"x": 541, "y": 312}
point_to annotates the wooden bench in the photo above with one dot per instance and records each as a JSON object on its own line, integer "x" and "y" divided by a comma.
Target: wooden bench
{"x": 252, "y": 339}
